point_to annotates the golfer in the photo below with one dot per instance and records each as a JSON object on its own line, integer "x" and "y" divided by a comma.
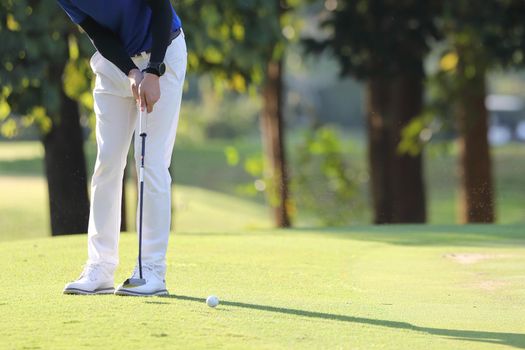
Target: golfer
{"x": 140, "y": 63}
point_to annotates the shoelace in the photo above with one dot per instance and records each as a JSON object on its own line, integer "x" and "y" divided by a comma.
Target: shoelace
{"x": 90, "y": 271}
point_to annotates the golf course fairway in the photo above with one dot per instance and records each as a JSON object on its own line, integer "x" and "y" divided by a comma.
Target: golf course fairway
{"x": 388, "y": 287}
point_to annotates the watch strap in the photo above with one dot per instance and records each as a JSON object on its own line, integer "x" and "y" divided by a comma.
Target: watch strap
{"x": 155, "y": 68}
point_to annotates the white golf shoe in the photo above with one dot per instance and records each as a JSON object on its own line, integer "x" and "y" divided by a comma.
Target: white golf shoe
{"x": 153, "y": 276}
{"x": 95, "y": 279}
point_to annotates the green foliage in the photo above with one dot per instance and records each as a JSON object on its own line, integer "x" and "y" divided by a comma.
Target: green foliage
{"x": 416, "y": 135}
{"x": 214, "y": 117}
{"x": 234, "y": 40}
{"x": 253, "y": 165}
{"x": 386, "y": 37}
{"x": 323, "y": 181}
{"x": 382, "y": 38}
{"x": 478, "y": 38}
{"x": 378, "y": 37}
{"x": 475, "y": 40}
{"x": 324, "y": 184}
{"x": 232, "y": 155}
{"x": 38, "y": 41}
{"x": 494, "y": 32}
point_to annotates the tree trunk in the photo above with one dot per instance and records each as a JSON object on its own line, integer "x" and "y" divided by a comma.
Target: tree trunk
{"x": 397, "y": 186}
{"x": 476, "y": 191}
{"x": 65, "y": 167}
{"x": 408, "y": 189}
{"x": 378, "y": 150}
{"x": 272, "y": 130}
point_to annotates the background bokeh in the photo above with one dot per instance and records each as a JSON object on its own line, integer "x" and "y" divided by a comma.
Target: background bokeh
{"x": 298, "y": 113}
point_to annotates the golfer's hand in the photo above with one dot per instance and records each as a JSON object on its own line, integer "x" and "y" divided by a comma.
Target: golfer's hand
{"x": 135, "y": 77}
{"x": 149, "y": 91}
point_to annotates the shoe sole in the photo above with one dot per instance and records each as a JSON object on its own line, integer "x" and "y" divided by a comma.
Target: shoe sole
{"x": 77, "y": 291}
{"x": 127, "y": 292}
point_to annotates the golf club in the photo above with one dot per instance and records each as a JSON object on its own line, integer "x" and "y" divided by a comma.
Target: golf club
{"x": 136, "y": 282}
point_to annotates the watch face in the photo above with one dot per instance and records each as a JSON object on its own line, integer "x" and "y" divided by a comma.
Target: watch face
{"x": 162, "y": 68}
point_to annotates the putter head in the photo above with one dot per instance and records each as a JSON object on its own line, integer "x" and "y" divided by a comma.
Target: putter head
{"x": 133, "y": 282}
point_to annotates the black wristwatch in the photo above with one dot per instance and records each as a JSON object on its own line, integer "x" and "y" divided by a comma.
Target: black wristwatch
{"x": 155, "y": 68}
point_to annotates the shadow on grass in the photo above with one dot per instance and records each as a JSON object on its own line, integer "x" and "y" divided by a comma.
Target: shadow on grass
{"x": 428, "y": 235}
{"x": 516, "y": 340}
{"x": 401, "y": 234}
{"x": 22, "y": 167}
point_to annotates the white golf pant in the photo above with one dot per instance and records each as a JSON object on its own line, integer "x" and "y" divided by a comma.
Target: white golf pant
{"x": 116, "y": 120}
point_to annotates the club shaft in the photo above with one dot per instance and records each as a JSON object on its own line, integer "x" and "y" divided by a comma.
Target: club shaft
{"x": 141, "y": 195}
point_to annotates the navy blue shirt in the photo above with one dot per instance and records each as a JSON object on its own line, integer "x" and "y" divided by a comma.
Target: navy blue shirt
{"x": 129, "y": 19}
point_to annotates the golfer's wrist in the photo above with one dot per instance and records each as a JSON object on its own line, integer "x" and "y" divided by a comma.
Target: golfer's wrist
{"x": 151, "y": 76}
{"x": 133, "y": 72}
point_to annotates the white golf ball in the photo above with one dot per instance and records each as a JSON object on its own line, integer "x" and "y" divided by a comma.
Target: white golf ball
{"x": 212, "y": 301}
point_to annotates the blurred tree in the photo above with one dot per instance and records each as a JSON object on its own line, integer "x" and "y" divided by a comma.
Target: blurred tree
{"x": 325, "y": 183}
{"x": 42, "y": 70}
{"x": 384, "y": 42}
{"x": 241, "y": 44}
{"x": 477, "y": 38}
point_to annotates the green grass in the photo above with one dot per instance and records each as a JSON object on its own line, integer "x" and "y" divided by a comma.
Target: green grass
{"x": 24, "y": 209}
{"x": 390, "y": 287}
{"x": 205, "y": 188}
{"x": 508, "y": 169}
{"x": 204, "y": 166}
{"x": 204, "y": 182}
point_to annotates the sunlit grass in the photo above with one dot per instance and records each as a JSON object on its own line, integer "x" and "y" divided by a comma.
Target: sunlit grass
{"x": 23, "y": 203}
{"x": 24, "y": 210}
{"x": 390, "y": 287}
